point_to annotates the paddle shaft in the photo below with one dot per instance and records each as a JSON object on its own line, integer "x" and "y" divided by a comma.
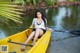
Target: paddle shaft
{"x": 18, "y": 43}
{"x": 76, "y": 32}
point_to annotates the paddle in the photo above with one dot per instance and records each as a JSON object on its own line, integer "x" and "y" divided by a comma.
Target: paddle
{"x": 75, "y": 32}
{"x": 18, "y": 43}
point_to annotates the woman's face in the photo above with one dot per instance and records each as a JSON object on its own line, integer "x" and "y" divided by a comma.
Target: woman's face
{"x": 39, "y": 15}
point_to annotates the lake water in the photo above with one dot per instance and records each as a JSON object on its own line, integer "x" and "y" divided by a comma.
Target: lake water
{"x": 61, "y": 18}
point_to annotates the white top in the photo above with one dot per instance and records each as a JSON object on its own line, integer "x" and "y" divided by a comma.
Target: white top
{"x": 37, "y": 24}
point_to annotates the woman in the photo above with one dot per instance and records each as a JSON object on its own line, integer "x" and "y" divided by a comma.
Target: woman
{"x": 39, "y": 24}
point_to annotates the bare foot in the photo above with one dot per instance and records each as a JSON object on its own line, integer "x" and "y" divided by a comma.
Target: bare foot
{"x": 32, "y": 44}
{"x": 23, "y": 48}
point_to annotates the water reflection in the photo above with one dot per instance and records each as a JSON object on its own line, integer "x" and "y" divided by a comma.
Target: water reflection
{"x": 68, "y": 12}
{"x": 66, "y": 18}
{"x": 2, "y": 34}
{"x": 59, "y": 18}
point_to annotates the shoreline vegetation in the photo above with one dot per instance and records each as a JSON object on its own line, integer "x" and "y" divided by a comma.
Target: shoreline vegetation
{"x": 44, "y": 6}
{"x": 15, "y": 9}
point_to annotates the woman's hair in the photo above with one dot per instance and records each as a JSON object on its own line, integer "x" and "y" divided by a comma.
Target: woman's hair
{"x": 43, "y": 18}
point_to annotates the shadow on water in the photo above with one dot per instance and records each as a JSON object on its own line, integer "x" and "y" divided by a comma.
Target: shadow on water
{"x": 61, "y": 18}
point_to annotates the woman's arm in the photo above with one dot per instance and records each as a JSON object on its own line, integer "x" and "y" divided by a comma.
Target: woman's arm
{"x": 32, "y": 26}
{"x": 49, "y": 29}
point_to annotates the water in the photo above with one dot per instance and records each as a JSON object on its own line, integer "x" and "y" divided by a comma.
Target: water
{"x": 61, "y": 18}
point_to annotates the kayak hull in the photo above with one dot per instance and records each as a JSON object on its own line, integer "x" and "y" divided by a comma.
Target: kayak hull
{"x": 39, "y": 47}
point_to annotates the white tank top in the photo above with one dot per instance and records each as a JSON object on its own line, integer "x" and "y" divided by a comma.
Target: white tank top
{"x": 37, "y": 25}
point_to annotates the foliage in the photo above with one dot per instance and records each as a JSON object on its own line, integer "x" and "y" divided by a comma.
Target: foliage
{"x": 49, "y": 2}
{"x": 10, "y": 11}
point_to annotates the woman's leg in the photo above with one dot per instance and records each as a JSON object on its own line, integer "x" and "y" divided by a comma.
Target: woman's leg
{"x": 38, "y": 33}
{"x": 29, "y": 38}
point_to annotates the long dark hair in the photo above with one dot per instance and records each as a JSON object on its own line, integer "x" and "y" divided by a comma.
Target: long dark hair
{"x": 43, "y": 18}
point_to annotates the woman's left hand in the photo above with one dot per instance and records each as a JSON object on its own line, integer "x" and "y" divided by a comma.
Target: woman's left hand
{"x": 50, "y": 29}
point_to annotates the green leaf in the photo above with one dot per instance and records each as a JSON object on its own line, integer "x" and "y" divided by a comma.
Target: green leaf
{"x": 10, "y": 11}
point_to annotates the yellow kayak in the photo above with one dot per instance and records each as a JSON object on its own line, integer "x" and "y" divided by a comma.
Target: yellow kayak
{"x": 13, "y": 43}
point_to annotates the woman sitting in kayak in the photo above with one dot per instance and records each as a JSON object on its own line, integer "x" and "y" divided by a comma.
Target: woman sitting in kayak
{"x": 39, "y": 24}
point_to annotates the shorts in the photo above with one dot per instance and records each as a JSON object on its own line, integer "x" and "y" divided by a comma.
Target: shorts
{"x": 44, "y": 30}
